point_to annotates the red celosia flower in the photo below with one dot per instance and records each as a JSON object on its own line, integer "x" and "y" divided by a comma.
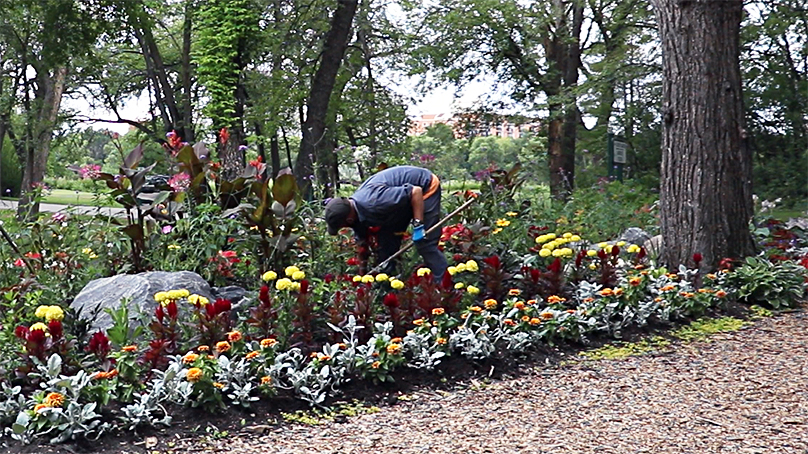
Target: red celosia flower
{"x": 328, "y": 278}
{"x": 36, "y": 336}
{"x": 304, "y": 287}
{"x": 21, "y": 332}
{"x": 159, "y": 313}
{"x": 493, "y": 261}
{"x": 99, "y": 345}
{"x": 224, "y": 136}
{"x": 641, "y": 255}
{"x": 56, "y": 329}
{"x": 33, "y": 255}
{"x": 446, "y": 281}
{"x": 555, "y": 267}
{"x": 353, "y": 261}
{"x": 263, "y": 295}
{"x": 171, "y": 308}
{"x": 697, "y": 259}
{"x": 391, "y": 300}
{"x": 615, "y": 250}
{"x": 602, "y": 254}
{"x": 222, "y": 305}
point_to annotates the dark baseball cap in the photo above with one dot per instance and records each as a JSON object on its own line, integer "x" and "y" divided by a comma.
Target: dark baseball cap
{"x": 336, "y": 212}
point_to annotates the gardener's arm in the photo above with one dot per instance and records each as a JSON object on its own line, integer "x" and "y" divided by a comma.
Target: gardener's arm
{"x": 417, "y": 201}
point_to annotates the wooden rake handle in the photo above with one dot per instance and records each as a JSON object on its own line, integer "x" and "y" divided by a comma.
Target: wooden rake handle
{"x": 410, "y": 244}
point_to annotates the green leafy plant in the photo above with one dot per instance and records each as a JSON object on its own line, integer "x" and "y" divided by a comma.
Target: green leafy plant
{"x": 776, "y": 284}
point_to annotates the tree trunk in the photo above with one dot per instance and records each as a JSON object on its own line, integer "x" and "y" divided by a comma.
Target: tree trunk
{"x": 315, "y": 146}
{"x": 49, "y": 94}
{"x": 706, "y": 175}
{"x": 185, "y": 73}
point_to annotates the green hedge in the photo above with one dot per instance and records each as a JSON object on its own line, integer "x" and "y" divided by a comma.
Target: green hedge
{"x": 10, "y": 170}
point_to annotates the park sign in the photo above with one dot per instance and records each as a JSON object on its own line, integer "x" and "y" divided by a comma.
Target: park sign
{"x": 616, "y": 151}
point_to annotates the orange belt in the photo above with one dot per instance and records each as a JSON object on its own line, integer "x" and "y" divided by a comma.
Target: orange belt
{"x": 433, "y": 187}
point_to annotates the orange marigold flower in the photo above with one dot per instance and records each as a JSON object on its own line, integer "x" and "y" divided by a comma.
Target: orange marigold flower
{"x": 219, "y": 385}
{"x": 189, "y": 358}
{"x": 712, "y": 276}
{"x": 535, "y": 321}
{"x": 203, "y": 348}
{"x": 672, "y": 276}
{"x": 464, "y": 316}
{"x": 54, "y": 400}
{"x": 667, "y": 288}
{"x": 475, "y": 309}
{"x": 266, "y": 379}
{"x": 720, "y": 293}
{"x": 658, "y": 299}
{"x": 639, "y": 267}
{"x": 606, "y": 292}
{"x": 588, "y": 299}
{"x": 546, "y": 315}
{"x": 375, "y": 354}
{"x": 251, "y": 355}
{"x": 519, "y": 305}
{"x": 376, "y": 364}
{"x": 441, "y": 341}
{"x": 113, "y": 373}
{"x": 343, "y": 346}
{"x": 525, "y": 318}
{"x": 322, "y": 357}
{"x": 514, "y": 292}
{"x": 705, "y": 290}
{"x": 570, "y": 311}
{"x": 687, "y": 294}
{"x": 234, "y": 336}
{"x": 509, "y": 322}
{"x": 635, "y": 281}
{"x": 194, "y": 374}
{"x": 222, "y": 346}
{"x": 268, "y": 343}
{"x": 396, "y": 340}
{"x": 394, "y": 349}
{"x": 531, "y": 302}
{"x": 555, "y": 299}
{"x": 618, "y": 291}
{"x": 39, "y": 407}
{"x": 418, "y": 322}
{"x": 438, "y": 311}
{"x": 129, "y": 348}
{"x": 490, "y": 303}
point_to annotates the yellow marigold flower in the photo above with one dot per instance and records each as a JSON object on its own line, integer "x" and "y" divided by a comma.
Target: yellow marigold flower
{"x": 283, "y": 284}
{"x": 368, "y": 279}
{"x": 575, "y": 238}
{"x": 633, "y": 249}
{"x": 54, "y": 313}
{"x": 396, "y": 284}
{"x": 472, "y": 290}
{"x": 290, "y": 270}
{"x": 514, "y": 292}
{"x": 295, "y": 287}
{"x": 591, "y": 253}
{"x": 621, "y": 243}
{"x": 268, "y": 343}
{"x": 218, "y": 385}
{"x": 194, "y": 374}
{"x": 558, "y": 252}
{"x": 490, "y": 303}
{"x": 203, "y": 348}
{"x": 298, "y": 275}
{"x": 549, "y": 246}
{"x": 394, "y": 349}
{"x": 567, "y": 252}
{"x": 376, "y": 364}
{"x": 551, "y": 236}
{"x": 503, "y": 222}
{"x": 129, "y": 348}
{"x": 198, "y": 299}
{"x": 603, "y": 245}
{"x": 222, "y": 346}
{"x": 472, "y": 266}
{"x": 459, "y": 285}
{"x": 423, "y": 272}
{"x": 545, "y": 252}
{"x": 592, "y": 266}
{"x": 555, "y": 299}
{"x": 189, "y": 358}
{"x": 475, "y": 309}
{"x": 174, "y": 294}
{"x": 39, "y": 407}
{"x": 496, "y": 230}
{"x": 546, "y": 315}
{"x": 511, "y": 213}
{"x": 160, "y": 296}
{"x": 54, "y": 400}
{"x": 269, "y": 276}
{"x": 606, "y": 292}
{"x": 441, "y": 341}
{"x": 460, "y": 267}
{"x": 438, "y": 311}
{"x": 520, "y": 305}
{"x": 418, "y": 322}
{"x": 452, "y": 270}
{"x": 234, "y": 336}
{"x": 382, "y": 277}
{"x": 184, "y": 293}
{"x": 357, "y": 278}
{"x": 534, "y": 321}
{"x": 87, "y": 251}
{"x": 720, "y": 293}
{"x": 41, "y": 311}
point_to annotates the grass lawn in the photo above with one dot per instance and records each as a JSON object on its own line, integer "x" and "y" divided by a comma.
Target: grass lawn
{"x": 68, "y": 197}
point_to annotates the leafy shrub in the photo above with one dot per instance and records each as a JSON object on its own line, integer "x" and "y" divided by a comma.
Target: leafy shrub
{"x": 776, "y": 284}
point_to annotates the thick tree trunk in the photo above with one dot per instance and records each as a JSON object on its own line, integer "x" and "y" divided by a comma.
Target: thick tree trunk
{"x": 49, "y": 94}
{"x": 706, "y": 175}
{"x": 315, "y": 146}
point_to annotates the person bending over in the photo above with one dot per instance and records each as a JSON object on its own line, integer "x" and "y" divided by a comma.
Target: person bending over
{"x": 389, "y": 202}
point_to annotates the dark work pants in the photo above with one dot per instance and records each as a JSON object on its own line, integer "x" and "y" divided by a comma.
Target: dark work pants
{"x": 390, "y": 243}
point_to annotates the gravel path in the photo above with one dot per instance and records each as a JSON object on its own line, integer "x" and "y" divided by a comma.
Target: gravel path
{"x": 742, "y": 392}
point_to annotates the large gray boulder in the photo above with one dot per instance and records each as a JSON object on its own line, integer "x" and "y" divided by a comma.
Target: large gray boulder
{"x": 635, "y": 235}
{"x": 139, "y": 289}
{"x": 654, "y": 247}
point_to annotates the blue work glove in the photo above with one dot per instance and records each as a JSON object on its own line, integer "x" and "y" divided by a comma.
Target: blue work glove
{"x": 417, "y": 230}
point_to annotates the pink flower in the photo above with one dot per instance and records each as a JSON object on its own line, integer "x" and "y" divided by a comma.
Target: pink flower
{"x": 89, "y": 171}
{"x": 180, "y": 182}
{"x": 167, "y": 229}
